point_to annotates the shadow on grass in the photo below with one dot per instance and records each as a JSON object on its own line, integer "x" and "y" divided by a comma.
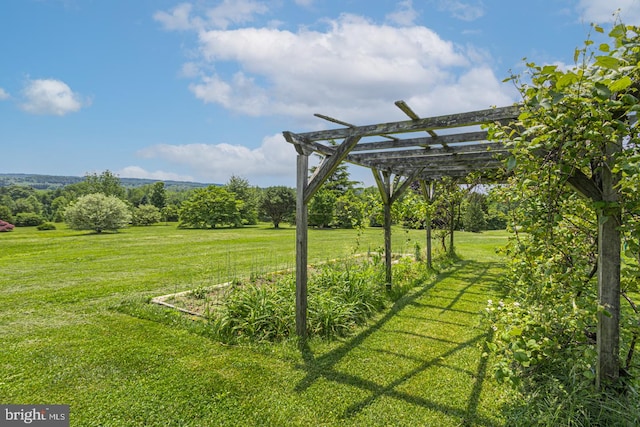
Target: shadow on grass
{"x": 466, "y": 273}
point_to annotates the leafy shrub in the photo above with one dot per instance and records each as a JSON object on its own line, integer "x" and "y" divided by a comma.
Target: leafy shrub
{"x": 146, "y": 215}
{"x": 28, "y": 219}
{"x": 46, "y": 226}
{"x": 97, "y": 212}
{"x": 5, "y": 226}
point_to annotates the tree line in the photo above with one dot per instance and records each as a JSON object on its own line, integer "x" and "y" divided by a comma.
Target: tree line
{"x": 341, "y": 203}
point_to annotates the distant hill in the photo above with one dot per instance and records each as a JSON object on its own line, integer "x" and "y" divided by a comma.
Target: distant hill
{"x": 51, "y": 182}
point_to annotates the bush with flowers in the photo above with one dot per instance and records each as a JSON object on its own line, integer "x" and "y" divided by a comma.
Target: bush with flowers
{"x": 5, "y": 226}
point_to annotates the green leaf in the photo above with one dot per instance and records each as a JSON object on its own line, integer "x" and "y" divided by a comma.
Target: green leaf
{"x": 556, "y": 97}
{"x": 604, "y": 47}
{"x": 521, "y": 357}
{"x": 511, "y": 163}
{"x": 607, "y": 62}
{"x": 566, "y": 80}
{"x": 620, "y": 84}
{"x": 601, "y": 91}
{"x": 598, "y": 29}
{"x": 618, "y": 31}
{"x": 576, "y": 55}
{"x": 515, "y": 332}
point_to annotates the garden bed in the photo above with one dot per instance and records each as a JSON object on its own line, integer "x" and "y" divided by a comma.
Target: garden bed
{"x": 342, "y": 294}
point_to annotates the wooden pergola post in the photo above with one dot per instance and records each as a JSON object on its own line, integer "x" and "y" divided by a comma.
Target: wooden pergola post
{"x": 390, "y": 191}
{"x": 427, "y": 192}
{"x": 601, "y": 188}
{"x": 305, "y": 189}
{"x": 302, "y": 221}
{"x": 608, "y": 331}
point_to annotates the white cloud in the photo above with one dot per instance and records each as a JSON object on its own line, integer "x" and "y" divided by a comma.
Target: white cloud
{"x": 599, "y": 11}
{"x": 463, "y": 10}
{"x": 138, "y": 172}
{"x": 226, "y": 13}
{"x": 353, "y": 70}
{"x": 51, "y": 97}
{"x": 476, "y": 87}
{"x": 178, "y": 19}
{"x": 3, "y": 94}
{"x": 305, "y": 3}
{"x": 405, "y": 14}
{"x": 274, "y": 160}
{"x": 235, "y": 12}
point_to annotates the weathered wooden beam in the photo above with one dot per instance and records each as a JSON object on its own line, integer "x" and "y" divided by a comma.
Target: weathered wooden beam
{"x": 332, "y": 120}
{"x": 412, "y": 115}
{"x": 416, "y": 157}
{"x": 477, "y": 148}
{"x": 402, "y": 186}
{"x": 425, "y": 141}
{"x": 440, "y": 122}
{"x": 407, "y": 110}
{"x": 302, "y": 171}
{"x": 329, "y": 166}
{"x": 380, "y": 183}
{"x": 584, "y": 186}
{"x": 301, "y": 146}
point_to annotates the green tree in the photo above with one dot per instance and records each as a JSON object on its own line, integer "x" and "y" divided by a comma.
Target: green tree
{"x": 322, "y": 208}
{"x": 349, "y": 210}
{"x": 106, "y": 183}
{"x": 158, "y": 195}
{"x": 278, "y": 204}
{"x": 97, "y": 212}
{"x": 29, "y": 204}
{"x": 136, "y": 196}
{"x": 146, "y": 215}
{"x": 58, "y": 205}
{"x": 6, "y": 214}
{"x": 249, "y": 197}
{"x": 171, "y": 213}
{"x": 211, "y": 207}
{"x": 474, "y": 218}
{"x": 373, "y": 207}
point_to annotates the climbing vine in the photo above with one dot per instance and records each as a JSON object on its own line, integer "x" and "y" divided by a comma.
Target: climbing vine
{"x": 574, "y": 123}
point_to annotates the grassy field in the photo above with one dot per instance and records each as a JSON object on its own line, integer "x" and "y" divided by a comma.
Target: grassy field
{"x": 66, "y": 340}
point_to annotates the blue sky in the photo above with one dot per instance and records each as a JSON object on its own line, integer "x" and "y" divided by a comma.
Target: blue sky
{"x": 202, "y": 90}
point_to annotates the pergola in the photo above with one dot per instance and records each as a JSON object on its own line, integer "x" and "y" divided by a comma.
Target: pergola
{"x": 437, "y": 147}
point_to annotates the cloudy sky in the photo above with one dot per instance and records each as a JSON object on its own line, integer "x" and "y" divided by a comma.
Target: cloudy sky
{"x": 202, "y": 90}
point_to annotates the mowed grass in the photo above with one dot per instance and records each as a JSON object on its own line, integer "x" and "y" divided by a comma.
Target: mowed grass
{"x": 65, "y": 340}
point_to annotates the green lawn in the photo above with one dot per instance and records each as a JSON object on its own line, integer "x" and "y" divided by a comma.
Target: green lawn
{"x": 65, "y": 339}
